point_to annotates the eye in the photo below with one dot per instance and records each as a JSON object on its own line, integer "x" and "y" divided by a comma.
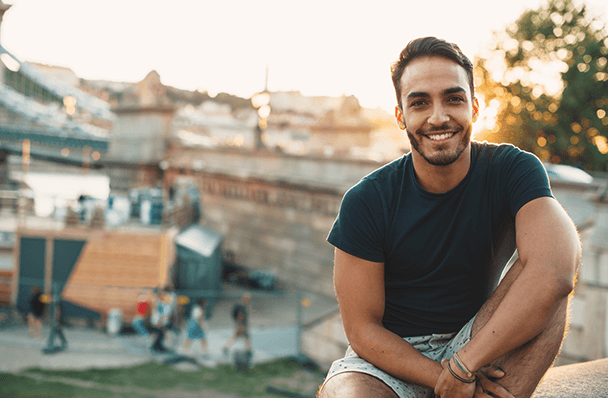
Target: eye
{"x": 456, "y": 99}
{"x": 417, "y": 103}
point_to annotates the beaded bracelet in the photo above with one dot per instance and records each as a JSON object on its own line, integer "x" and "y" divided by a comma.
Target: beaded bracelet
{"x": 458, "y": 377}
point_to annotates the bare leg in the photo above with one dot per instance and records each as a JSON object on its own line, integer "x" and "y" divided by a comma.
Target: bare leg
{"x": 38, "y": 327}
{"x": 229, "y": 344}
{"x": 355, "y": 385}
{"x": 525, "y": 366}
{"x": 204, "y": 346}
{"x": 230, "y": 341}
{"x": 187, "y": 343}
{"x": 247, "y": 343}
{"x": 30, "y": 324}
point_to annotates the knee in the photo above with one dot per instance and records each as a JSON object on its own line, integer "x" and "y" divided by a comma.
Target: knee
{"x": 354, "y": 385}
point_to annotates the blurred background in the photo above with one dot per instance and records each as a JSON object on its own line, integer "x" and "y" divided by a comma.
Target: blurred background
{"x": 207, "y": 145}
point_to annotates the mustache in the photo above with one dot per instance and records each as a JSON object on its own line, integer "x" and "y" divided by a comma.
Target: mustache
{"x": 444, "y": 127}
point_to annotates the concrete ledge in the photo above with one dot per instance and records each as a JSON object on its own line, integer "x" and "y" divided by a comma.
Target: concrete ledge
{"x": 581, "y": 380}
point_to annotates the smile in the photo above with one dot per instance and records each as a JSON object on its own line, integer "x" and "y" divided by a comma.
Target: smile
{"x": 440, "y": 137}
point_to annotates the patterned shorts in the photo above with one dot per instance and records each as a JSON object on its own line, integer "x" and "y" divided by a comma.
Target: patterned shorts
{"x": 435, "y": 347}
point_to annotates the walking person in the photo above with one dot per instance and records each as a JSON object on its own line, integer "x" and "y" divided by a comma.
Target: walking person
{"x": 56, "y": 331}
{"x": 34, "y": 317}
{"x": 197, "y": 328}
{"x": 172, "y": 329}
{"x": 422, "y": 242}
{"x": 159, "y": 321}
{"x": 138, "y": 322}
{"x": 240, "y": 317}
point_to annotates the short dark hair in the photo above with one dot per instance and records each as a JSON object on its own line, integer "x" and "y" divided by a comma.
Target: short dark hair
{"x": 429, "y": 47}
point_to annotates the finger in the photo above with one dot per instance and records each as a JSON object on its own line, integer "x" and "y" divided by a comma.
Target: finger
{"x": 496, "y": 389}
{"x": 480, "y": 393}
{"x": 493, "y": 371}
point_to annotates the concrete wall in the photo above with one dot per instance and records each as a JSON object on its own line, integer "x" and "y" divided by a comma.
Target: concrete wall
{"x": 584, "y": 380}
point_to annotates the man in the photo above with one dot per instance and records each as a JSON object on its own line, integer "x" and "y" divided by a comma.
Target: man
{"x": 159, "y": 321}
{"x": 56, "y": 328}
{"x": 240, "y": 315}
{"x": 421, "y": 244}
{"x": 34, "y": 317}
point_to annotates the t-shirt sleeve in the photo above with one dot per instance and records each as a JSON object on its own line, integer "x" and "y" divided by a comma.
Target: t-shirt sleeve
{"x": 525, "y": 179}
{"x": 357, "y": 229}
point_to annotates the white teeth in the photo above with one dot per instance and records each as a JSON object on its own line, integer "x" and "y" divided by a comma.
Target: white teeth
{"x": 439, "y": 137}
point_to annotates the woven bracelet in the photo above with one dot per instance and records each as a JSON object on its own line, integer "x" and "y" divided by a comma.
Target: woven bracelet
{"x": 458, "y": 377}
{"x": 462, "y": 366}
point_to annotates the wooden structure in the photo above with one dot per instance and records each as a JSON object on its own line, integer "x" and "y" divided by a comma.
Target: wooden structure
{"x": 5, "y": 287}
{"x": 95, "y": 270}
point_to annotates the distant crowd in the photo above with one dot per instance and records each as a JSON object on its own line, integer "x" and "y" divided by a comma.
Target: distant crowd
{"x": 157, "y": 322}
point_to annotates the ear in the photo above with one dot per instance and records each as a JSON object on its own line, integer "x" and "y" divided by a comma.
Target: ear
{"x": 399, "y": 117}
{"x": 475, "y": 109}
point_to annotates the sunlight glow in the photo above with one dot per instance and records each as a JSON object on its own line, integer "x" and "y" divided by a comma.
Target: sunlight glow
{"x": 10, "y": 63}
{"x": 601, "y": 143}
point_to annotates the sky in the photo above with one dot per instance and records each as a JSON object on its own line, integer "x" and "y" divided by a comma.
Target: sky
{"x": 316, "y": 47}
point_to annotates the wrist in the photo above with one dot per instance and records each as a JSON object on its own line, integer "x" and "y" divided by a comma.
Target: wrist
{"x": 458, "y": 373}
{"x": 467, "y": 361}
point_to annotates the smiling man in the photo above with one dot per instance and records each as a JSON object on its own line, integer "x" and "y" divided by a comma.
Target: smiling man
{"x": 421, "y": 244}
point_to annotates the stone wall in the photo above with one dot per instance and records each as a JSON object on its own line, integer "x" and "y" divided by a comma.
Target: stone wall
{"x": 273, "y": 227}
{"x": 273, "y": 210}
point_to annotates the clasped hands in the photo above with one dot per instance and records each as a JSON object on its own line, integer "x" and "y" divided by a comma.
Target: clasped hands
{"x": 449, "y": 386}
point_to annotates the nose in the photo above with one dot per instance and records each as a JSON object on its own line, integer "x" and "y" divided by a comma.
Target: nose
{"x": 438, "y": 116}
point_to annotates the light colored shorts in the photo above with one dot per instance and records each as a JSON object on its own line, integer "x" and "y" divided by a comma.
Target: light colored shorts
{"x": 435, "y": 347}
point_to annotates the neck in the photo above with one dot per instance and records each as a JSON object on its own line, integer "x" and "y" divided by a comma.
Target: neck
{"x": 440, "y": 179}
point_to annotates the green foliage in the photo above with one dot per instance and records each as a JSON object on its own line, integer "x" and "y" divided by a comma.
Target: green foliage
{"x": 546, "y": 79}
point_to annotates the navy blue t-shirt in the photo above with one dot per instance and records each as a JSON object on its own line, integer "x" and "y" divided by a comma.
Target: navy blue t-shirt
{"x": 438, "y": 249}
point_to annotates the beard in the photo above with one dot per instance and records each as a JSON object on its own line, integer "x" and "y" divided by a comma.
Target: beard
{"x": 442, "y": 155}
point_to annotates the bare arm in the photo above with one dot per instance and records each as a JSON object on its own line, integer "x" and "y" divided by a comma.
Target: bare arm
{"x": 359, "y": 287}
{"x": 549, "y": 250}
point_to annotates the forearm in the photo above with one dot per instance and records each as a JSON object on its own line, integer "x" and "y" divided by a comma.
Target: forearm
{"x": 527, "y": 308}
{"x": 394, "y": 355}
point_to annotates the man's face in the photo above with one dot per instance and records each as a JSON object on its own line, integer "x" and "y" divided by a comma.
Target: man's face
{"x": 438, "y": 110}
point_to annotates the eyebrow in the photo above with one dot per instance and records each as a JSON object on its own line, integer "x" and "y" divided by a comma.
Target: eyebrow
{"x": 447, "y": 91}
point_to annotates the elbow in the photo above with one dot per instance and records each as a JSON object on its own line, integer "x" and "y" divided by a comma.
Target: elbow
{"x": 359, "y": 339}
{"x": 356, "y": 339}
{"x": 564, "y": 281}
{"x": 564, "y": 287}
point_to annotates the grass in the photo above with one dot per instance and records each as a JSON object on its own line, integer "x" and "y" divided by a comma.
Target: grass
{"x": 19, "y": 386}
{"x": 283, "y": 374}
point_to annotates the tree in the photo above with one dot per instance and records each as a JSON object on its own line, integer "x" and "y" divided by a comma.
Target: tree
{"x": 544, "y": 81}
